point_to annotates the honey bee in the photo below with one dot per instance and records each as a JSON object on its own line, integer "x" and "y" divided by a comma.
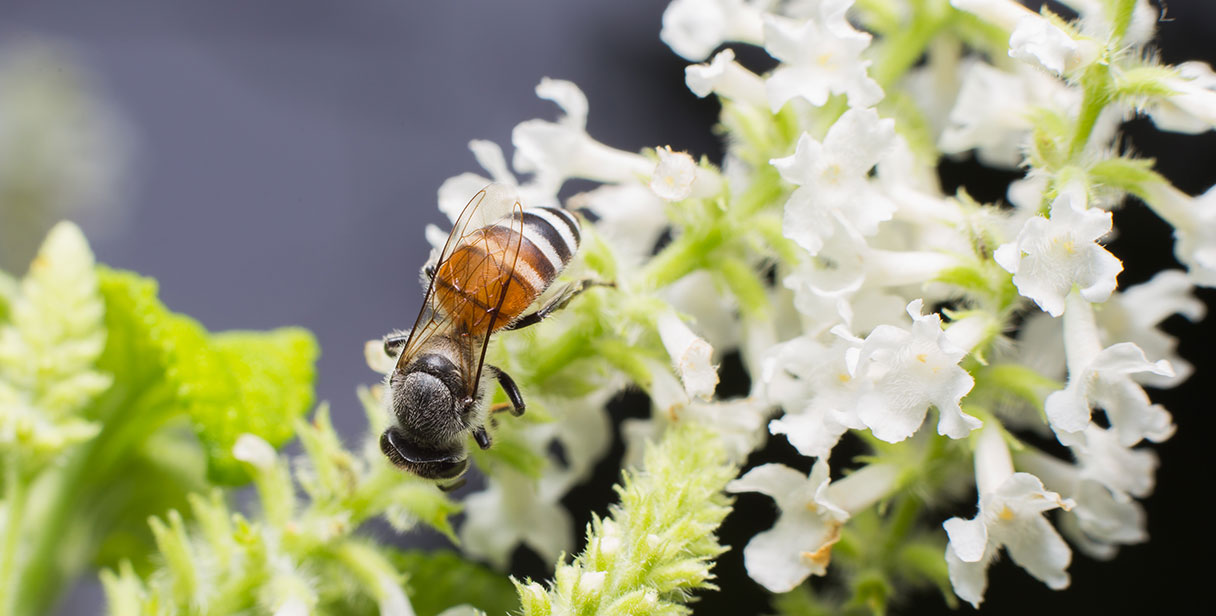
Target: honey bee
{"x": 490, "y": 270}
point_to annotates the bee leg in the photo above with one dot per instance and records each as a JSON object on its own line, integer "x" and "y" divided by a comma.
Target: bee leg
{"x": 557, "y": 303}
{"x": 393, "y": 343}
{"x": 455, "y": 485}
{"x": 482, "y": 437}
{"x": 511, "y": 389}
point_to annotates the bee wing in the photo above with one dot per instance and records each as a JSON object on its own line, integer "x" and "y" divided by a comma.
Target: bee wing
{"x": 495, "y": 293}
{"x": 488, "y": 206}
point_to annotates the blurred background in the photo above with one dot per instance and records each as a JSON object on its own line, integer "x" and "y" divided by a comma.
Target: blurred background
{"x": 274, "y": 163}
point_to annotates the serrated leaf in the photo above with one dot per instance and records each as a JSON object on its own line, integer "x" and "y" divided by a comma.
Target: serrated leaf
{"x": 252, "y": 382}
{"x": 228, "y": 383}
{"x": 441, "y": 579}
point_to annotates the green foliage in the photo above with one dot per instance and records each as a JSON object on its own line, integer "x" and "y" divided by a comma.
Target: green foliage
{"x": 99, "y": 387}
{"x": 295, "y": 553}
{"x": 657, "y": 545}
{"x": 214, "y": 379}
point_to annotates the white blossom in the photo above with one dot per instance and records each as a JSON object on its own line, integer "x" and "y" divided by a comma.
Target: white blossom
{"x": 557, "y": 151}
{"x": 694, "y": 28}
{"x": 820, "y": 57}
{"x": 726, "y": 78}
{"x": 1011, "y": 507}
{"x": 998, "y": 127}
{"x": 1194, "y": 222}
{"x": 1037, "y": 40}
{"x": 455, "y": 192}
{"x": 690, "y": 355}
{"x": 1103, "y": 377}
{"x": 832, "y": 176}
{"x": 512, "y": 510}
{"x": 1192, "y": 109}
{"x": 907, "y": 370}
{"x": 1052, "y": 255}
{"x": 813, "y": 510}
{"x": 813, "y": 382}
{"x": 1102, "y": 484}
{"x": 631, "y": 217}
{"x": 677, "y": 177}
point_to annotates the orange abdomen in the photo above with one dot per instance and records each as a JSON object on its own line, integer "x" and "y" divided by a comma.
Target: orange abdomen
{"x": 470, "y": 283}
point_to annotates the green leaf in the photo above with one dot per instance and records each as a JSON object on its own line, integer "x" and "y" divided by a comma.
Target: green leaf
{"x": 441, "y": 579}
{"x": 228, "y": 384}
{"x": 252, "y": 382}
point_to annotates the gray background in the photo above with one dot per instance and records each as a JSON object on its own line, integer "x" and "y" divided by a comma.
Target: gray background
{"x": 289, "y": 152}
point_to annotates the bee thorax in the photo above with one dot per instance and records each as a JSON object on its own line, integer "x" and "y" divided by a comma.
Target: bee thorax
{"x": 426, "y": 408}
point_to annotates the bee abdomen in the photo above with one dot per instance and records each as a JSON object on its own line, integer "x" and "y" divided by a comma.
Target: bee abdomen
{"x": 555, "y": 233}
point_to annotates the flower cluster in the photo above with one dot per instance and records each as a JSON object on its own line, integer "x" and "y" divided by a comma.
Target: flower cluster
{"x": 974, "y": 350}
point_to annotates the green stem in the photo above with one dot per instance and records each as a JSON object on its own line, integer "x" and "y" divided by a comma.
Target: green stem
{"x": 1124, "y": 9}
{"x": 15, "y": 492}
{"x": 52, "y": 559}
{"x": 1095, "y": 84}
{"x": 904, "y": 47}
{"x": 683, "y": 255}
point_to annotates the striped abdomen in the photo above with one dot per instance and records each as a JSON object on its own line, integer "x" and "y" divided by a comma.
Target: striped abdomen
{"x": 469, "y": 284}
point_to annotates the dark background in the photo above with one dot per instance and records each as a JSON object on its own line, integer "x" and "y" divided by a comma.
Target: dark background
{"x": 288, "y": 154}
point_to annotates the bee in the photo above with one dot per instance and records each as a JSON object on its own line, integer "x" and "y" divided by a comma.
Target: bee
{"x": 490, "y": 270}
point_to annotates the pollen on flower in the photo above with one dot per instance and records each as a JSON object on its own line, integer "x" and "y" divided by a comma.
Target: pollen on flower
{"x": 1005, "y": 514}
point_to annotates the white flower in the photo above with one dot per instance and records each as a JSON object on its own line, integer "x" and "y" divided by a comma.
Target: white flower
{"x": 673, "y": 175}
{"x": 812, "y": 512}
{"x": 726, "y": 78}
{"x": 832, "y": 176}
{"x": 819, "y": 57}
{"x": 631, "y": 218}
{"x": 813, "y": 382}
{"x": 1194, "y": 222}
{"x": 1132, "y": 315}
{"x": 1102, "y": 377}
{"x": 1101, "y": 483}
{"x": 905, "y": 371}
{"x": 1036, "y": 40}
{"x": 690, "y": 354}
{"x": 694, "y": 28}
{"x": 1135, "y": 314}
{"x": 998, "y": 127}
{"x": 455, "y": 192}
{"x": 513, "y": 510}
{"x": 1051, "y": 256}
{"x": 1010, "y": 516}
{"x": 1192, "y": 109}
{"x": 1033, "y": 38}
{"x": 557, "y": 151}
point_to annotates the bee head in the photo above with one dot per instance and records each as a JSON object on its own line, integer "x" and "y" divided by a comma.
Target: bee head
{"x": 428, "y": 463}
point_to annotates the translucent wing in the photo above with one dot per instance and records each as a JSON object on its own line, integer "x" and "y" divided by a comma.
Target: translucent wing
{"x": 470, "y": 279}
